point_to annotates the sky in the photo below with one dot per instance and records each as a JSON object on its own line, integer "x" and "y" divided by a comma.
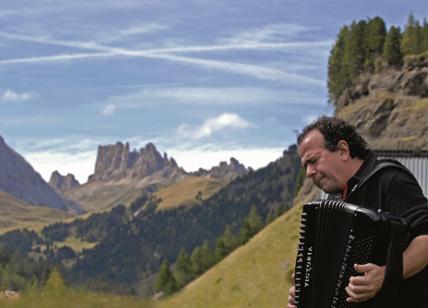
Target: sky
{"x": 202, "y": 80}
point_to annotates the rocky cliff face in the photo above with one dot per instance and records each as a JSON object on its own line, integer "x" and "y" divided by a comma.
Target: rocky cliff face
{"x": 61, "y": 182}
{"x": 224, "y": 171}
{"x": 116, "y": 162}
{"x": 390, "y": 108}
{"x": 19, "y": 179}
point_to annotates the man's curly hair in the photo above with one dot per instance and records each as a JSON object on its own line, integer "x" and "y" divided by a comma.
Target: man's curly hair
{"x": 334, "y": 130}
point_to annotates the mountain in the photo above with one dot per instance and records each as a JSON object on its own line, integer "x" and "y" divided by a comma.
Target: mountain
{"x": 61, "y": 182}
{"x": 121, "y": 176}
{"x": 19, "y": 179}
{"x": 116, "y": 162}
{"x": 224, "y": 171}
{"x": 133, "y": 241}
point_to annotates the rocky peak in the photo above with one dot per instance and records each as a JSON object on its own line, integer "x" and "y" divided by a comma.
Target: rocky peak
{"x": 115, "y": 162}
{"x": 224, "y": 171}
{"x": 390, "y": 107}
{"x": 19, "y": 179}
{"x": 409, "y": 80}
{"x": 61, "y": 183}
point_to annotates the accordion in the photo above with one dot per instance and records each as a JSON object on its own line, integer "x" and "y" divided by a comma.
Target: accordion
{"x": 334, "y": 236}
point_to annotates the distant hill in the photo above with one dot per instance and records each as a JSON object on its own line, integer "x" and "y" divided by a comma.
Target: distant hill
{"x": 122, "y": 175}
{"x": 16, "y": 213}
{"x": 19, "y": 179}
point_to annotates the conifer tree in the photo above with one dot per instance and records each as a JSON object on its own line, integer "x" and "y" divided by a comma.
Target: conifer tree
{"x": 183, "y": 271}
{"x": 220, "y": 250}
{"x": 251, "y": 225}
{"x": 338, "y": 69}
{"x": 255, "y": 220}
{"x": 376, "y": 33}
{"x": 166, "y": 281}
{"x": 230, "y": 241}
{"x": 355, "y": 49}
{"x": 411, "y": 37}
{"x": 391, "y": 51}
{"x": 424, "y": 36}
{"x": 201, "y": 258}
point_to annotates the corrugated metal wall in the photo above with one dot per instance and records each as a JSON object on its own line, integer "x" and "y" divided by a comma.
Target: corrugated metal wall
{"x": 418, "y": 166}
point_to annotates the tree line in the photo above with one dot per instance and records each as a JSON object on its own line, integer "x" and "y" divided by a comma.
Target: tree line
{"x": 189, "y": 267}
{"x": 368, "y": 46}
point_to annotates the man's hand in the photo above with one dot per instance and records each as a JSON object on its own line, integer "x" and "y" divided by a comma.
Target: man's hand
{"x": 362, "y": 288}
{"x": 292, "y": 294}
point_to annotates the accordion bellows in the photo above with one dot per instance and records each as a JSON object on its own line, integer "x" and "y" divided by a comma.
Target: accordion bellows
{"x": 333, "y": 237}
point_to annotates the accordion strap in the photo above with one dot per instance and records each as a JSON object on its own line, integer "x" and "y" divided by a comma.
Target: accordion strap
{"x": 384, "y": 163}
{"x": 394, "y": 266}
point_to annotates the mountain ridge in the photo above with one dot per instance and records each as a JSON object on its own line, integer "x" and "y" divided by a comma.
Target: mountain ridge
{"x": 19, "y": 179}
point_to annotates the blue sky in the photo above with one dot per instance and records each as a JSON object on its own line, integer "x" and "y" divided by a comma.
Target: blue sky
{"x": 203, "y": 80}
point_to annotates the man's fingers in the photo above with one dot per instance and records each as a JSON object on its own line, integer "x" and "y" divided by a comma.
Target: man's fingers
{"x": 364, "y": 268}
{"x": 355, "y": 297}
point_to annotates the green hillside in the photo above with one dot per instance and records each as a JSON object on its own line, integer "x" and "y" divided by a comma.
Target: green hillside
{"x": 185, "y": 191}
{"x": 255, "y": 275}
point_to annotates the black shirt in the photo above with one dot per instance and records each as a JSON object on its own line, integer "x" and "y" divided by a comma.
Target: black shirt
{"x": 395, "y": 191}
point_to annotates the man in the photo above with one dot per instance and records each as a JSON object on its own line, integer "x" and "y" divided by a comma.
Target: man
{"x": 336, "y": 158}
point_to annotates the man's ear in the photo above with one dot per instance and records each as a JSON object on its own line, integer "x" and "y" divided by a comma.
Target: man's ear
{"x": 343, "y": 148}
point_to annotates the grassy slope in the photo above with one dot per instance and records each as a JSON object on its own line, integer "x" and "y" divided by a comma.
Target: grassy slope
{"x": 255, "y": 275}
{"x": 15, "y": 213}
{"x": 67, "y": 298}
{"x": 184, "y": 192}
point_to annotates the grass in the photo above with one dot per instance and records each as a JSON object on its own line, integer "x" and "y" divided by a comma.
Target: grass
{"x": 255, "y": 275}
{"x": 15, "y": 214}
{"x": 68, "y": 298}
{"x": 185, "y": 191}
{"x": 76, "y": 244}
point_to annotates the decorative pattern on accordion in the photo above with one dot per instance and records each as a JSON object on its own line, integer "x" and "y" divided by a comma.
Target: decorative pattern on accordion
{"x": 333, "y": 236}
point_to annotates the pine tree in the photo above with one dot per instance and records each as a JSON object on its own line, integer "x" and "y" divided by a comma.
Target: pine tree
{"x": 411, "y": 37}
{"x": 376, "y": 33}
{"x": 165, "y": 281}
{"x": 230, "y": 241}
{"x": 424, "y": 36}
{"x": 355, "y": 51}
{"x": 251, "y": 225}
{"x": 201, "y": 258}
{"x": 338, "y": 75}
{"x": 255, "y": 220}
{"x": 220, "y": 250}
{"x": 183, "y": 271}
{"x": 391, "y": 51}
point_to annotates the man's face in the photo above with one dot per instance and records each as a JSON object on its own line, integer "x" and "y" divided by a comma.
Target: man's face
{"x": 323, "y": 166}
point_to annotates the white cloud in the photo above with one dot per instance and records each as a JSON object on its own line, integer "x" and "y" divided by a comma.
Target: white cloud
{"x": 7, "y": 96}
{"x": 80, "y": 164}
{"x": 108, "y": 110}
{"x": 192, "y": 160}
{"x": 255, "y": 71}
{"x": 213, "y": 96}
{"x": 210, "y": 126}
{"x": 269, "y": 33}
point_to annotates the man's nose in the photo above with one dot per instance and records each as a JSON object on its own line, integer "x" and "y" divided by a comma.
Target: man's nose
{"x": 310, "y": 171}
